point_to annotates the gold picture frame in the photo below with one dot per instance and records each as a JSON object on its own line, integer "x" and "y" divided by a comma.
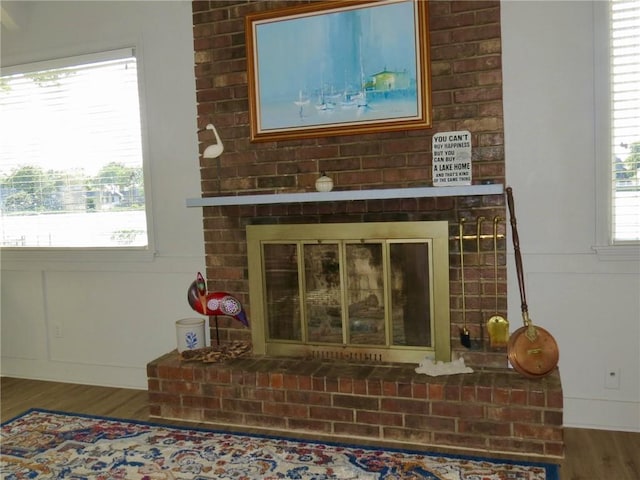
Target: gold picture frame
{"x": 338, "y": 68}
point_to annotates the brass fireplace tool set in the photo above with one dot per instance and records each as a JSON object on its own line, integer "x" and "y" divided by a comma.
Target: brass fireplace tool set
{"x": 497, "y": 326}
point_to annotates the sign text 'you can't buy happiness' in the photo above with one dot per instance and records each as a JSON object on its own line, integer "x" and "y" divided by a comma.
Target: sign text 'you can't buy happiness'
{"x": 451, "y": 158}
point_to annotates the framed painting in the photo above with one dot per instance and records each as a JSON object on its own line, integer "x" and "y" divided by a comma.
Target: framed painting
{"x": 338, "y": 68}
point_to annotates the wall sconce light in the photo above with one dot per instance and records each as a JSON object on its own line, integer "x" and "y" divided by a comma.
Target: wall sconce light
{"x": 215, "y": 150}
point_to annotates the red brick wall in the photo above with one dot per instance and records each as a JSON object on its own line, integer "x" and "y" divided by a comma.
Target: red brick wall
{"x": 391, "y": 404}
{"x": 466, "y": 77}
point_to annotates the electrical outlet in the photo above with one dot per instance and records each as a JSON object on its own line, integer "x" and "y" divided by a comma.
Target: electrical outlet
{"x": 612, "y": 379}
{"x": 57, "y": 330}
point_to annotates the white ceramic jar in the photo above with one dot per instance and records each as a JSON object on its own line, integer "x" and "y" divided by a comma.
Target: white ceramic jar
{"x": 190, "y": 334}
{"x": 324, "y": 183}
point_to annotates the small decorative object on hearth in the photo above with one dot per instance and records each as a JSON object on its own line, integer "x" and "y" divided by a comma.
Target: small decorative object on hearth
{"x": 190, "y": 334}
{"x": 324, "y": 183}
{"x": 434, "y": 369}
{"x": 214, "y": 303}
{"x": 217, "y": 353}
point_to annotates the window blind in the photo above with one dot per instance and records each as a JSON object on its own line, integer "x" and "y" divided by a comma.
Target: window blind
{"x": 71, "y": 163}
{"x": 625, "y": 119}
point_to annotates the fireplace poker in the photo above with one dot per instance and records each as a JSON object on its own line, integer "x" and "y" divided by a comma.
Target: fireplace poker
{"x": 465, "y": 337}
{"x": 479, "y": 221}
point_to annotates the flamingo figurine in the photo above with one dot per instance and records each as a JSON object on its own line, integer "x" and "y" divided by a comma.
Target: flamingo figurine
{"x": 215, "y": 150}
{"x": 214, "y": 303}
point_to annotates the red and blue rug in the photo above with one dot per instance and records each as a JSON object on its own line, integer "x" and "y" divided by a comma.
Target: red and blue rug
{"x": 41, "y": 444}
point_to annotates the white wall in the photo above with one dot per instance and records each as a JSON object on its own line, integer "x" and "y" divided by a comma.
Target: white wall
{"x": 589, "y": 302}
{"x": 119, "y": 315}
{"x": 116, "y": 312}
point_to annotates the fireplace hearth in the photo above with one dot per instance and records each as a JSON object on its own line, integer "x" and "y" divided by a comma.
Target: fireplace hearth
{"x": 489, "y": 410}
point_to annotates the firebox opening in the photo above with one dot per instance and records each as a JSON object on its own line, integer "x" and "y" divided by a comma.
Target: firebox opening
{"x": 375, "y": 290}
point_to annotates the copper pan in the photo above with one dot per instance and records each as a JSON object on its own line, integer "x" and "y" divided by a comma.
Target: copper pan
{"x": 532, "y": 350}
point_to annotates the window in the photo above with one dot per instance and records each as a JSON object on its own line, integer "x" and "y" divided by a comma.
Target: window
{"x": 71, "y": 163}
{"x": 625, "y": 119}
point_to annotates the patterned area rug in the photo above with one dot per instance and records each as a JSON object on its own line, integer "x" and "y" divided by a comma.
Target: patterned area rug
{"x": 42, "y": 444}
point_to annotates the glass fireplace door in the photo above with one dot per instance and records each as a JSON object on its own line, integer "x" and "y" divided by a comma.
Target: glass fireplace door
{"x": 340, "y": 295}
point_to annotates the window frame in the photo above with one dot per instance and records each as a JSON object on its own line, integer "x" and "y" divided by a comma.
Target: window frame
{"x": 606, "y": 247}
{"x": 95, "y": 253}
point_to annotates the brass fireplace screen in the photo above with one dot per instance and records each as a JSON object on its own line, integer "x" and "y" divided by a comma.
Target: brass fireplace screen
{"x": 370, "y": 291}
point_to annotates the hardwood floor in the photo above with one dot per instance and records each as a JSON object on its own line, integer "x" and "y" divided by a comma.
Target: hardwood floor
{"x": 590, "y": 454}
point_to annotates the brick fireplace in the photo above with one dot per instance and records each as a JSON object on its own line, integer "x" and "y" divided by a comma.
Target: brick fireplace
{"x": 493, "y": 409}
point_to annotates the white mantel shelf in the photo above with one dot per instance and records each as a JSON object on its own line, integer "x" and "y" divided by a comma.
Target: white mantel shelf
{"x": 340, "y": 195}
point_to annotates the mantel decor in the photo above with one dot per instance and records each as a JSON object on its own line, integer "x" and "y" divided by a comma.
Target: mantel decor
{"x": 338, "y": 68}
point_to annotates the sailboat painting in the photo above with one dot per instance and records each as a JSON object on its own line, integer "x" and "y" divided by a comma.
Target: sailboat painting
{"x": 338, "y": 68}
